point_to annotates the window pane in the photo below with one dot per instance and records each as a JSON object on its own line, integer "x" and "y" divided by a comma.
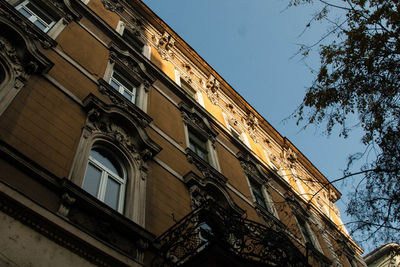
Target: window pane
{"x": 133, "y": 41}
{"x": 258, "y": 195}
{"x": 114, "y": 84}
{"x": 40, "y": 25}
{"x": 39, "y": 13}
{"x": 107, "y": 161}
{"x": 127, "y": 95}
{"x": 189, "y": 89}
{"x": 198, "y": 145}
{"x": 24, "y": 12}
{"x": 112, "y": 193}
{"x": 123, "y": 81}
{"x": 304, "y": 231}
{"x": 92, "y": 179}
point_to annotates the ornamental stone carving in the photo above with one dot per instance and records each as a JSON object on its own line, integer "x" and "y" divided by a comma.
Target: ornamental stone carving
{"x": 19, "y": 59}
{"x": 212, "y": 88}
{"x": 21, "y": 71}
{"x": 289, "y": 157}
{"x": 164, "y": 45}
{"x": 120, "y": 127}
{"x": 198, "y": 122}
{"x": 9, "y": 15}
{"x": 136, "y": 28}
{"x": 66, "y": 202}
{"x": 252, "y": 169}
{"x": 251, "y": 123}
{"x": 112, "y": 5}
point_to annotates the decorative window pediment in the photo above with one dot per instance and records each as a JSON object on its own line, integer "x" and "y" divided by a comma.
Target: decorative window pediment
{"x": 198, "y": 122}
{"x": 19, "y": 59}
{"x": 133, "y": 35}
{"x": 121, "y": 132}
{"x": 131, "y": 64}
{"x": 124, "y": 127}
{"x": 126, "y": 82}
{"x": 252, "y": 169}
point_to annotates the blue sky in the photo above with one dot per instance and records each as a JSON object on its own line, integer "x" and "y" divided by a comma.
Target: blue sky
{"x": 250, "y": 43}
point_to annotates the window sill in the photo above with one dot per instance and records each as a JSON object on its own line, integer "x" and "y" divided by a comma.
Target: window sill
{"x": 120, "y": 101}
{"x": 98, "y": 219}
{"x": 204, "y": 167}
{"x": 270, "y": 219}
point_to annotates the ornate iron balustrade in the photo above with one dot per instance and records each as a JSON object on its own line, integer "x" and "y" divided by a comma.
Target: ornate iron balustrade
{"x": 211, "y": 224}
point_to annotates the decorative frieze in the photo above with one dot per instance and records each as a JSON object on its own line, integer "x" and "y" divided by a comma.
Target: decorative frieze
{"x": 164, "y": 45}
{"x": 212, "y": 88}
{"x": 113, "y": 5}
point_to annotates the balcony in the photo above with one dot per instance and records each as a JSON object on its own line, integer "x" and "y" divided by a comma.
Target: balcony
{"x": 214, "y": 236}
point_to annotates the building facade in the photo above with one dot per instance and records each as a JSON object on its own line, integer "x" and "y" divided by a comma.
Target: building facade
{"x": 121, "y": 146}
{"x": 387, "y": 255}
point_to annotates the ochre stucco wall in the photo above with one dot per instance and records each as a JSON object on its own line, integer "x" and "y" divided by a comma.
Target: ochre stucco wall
{"x": 167, "y": 67}
{"x": 44, "y": 124}
{"x": 109, "y": 17}
{"x": 166, "y": 116}
{"x": 168, "y": 200}
{"x": 88, "y": 52}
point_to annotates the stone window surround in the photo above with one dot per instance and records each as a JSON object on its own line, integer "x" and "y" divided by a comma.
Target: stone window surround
{"x": 108, "y": 125}
{"x": 199, "y": 125}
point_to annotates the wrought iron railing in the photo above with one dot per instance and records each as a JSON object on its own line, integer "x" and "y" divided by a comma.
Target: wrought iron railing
{"x": 211, "y": 224}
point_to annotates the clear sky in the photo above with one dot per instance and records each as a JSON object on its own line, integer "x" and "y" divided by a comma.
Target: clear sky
{"x": 250, "y": 43}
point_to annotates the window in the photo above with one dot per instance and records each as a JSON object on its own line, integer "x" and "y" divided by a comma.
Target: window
{"x": 122, "y": 84}
{"x": 256, "y": 190}
{"x": 234, "y": 132}
{"x": 198, "y": 144}
{"x": 351, "y": 262}
{"x": 36, "y": 15}
{"x": 133, "y": 40}
{"x": 307, "y": 233}
{"x": 188, "y": 89}
{"x": 105, "y": 178}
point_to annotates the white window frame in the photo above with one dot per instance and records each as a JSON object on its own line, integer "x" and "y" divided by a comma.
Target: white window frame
{"x": 310, "y": 232}
{"x": 213, "y": 160}
{"x": 106, "y": 173}
{"x": 146, "y": 51}
{"x": 54, "y": 29}
{"x": 35, "y": 17}
{"x": 122, "y": 88}
{"x": 141, "y": 92}
{"x": 245, "y": 139}
{"x": 267, "y": 198}
{"x": 233, "y": 130}
{"x": 198, "y": 97}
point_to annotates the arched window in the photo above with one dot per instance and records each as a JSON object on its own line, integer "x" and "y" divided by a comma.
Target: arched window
{"x": 106, "y": 177}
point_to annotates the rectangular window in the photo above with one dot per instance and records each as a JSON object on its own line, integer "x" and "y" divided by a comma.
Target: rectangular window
{"x": 234, "y": 132}
{"x": 36, "y": 15}
{"x": 133, "y": 40}
{"x": 198, "y": 145}
{"x": 122, "y": 84}
{"x": 305, "y": 231}
{"x": 259, "y": 198}
{"x": 188, "y": 88}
